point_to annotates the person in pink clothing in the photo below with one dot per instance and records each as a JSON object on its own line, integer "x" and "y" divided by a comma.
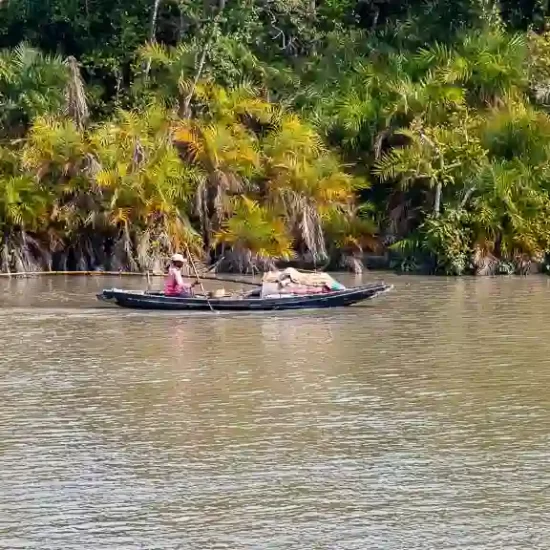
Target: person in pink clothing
{"x": 174, "y": 284}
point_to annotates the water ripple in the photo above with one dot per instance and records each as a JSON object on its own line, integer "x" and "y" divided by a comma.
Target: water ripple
{"x": 421, "y": 421}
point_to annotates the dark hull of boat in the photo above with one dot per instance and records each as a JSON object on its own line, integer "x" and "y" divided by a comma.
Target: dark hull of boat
{"x": 158, "y": 301}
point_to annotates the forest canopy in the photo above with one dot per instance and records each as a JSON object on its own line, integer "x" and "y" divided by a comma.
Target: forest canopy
{"x": 258, "y": 131}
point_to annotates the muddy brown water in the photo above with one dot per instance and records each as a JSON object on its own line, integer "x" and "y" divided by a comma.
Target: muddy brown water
{"x": 418, "y": 421}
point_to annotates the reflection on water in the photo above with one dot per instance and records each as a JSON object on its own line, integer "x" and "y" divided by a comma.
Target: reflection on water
{"x": 419, "y": 421}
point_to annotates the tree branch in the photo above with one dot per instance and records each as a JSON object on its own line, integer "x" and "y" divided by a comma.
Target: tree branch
{"x": 467, "y": 196}
{"x": 202, "y": 61}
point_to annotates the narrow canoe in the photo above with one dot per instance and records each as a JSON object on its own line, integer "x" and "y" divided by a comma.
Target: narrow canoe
{"x": 157, "y": 300}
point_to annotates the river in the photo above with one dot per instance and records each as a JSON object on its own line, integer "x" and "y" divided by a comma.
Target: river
{"x": 418, "y": 421}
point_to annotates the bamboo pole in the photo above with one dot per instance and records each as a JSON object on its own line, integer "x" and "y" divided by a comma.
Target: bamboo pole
{"x": 198, "y": 278}
{"x": 30, "y": 274}
{"x": 86, "y": 273}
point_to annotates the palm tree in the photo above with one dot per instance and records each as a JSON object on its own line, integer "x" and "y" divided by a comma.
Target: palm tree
{"x": 350, "y": 233}
{"x": 171, "y": 70}
{"x": 436, "y": 157}
{"x": 510, "y": 217}
{"x": 23, "y": 213}
{"x": 148, "y": 190}
{"x": 304, "y": 181}
{"x": 255, "y": 235}
{"x": 61, "y": 159}
{"x": 223, "y": 150}
{"x": 495, "y": 64}
{"x": 176, "y": 73}
{"x": 31, "y": 84}
{"x": 518, "y": 130}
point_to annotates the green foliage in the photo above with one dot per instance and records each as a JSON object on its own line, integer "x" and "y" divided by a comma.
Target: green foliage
{"x": 31, "y": 84}
{"x": 132, "y": 129}
{"x": 447, "y": 239}
{"x": 255, "y": 231}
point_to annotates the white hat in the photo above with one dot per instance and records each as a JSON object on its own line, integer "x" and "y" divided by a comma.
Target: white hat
{"x": 178, "y": 258}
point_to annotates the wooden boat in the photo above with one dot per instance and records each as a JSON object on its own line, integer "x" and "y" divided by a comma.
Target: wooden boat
{"x": 249, "y": 302}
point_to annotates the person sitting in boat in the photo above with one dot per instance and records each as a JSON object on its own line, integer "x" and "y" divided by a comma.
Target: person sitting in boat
{"x": 174, "y": 284}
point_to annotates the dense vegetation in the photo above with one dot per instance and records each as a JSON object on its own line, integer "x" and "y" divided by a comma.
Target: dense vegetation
{"x": 256, "y": 130}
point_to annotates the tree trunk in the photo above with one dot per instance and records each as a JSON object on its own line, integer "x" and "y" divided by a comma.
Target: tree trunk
{"x": 76, "y": 103}
{"x": 152, "y": 32}
{"x": 375, "y": 19}
{"x": 154, "y": 17}
{"x": 437, "y": 201}
{"x": 200, "y": 67}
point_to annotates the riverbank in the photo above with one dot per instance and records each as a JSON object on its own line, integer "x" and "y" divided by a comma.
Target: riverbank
{"x": 389, "y": 263}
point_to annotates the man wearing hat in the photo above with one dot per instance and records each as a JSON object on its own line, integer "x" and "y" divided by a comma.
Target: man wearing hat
{"x": 175, "y": 285}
